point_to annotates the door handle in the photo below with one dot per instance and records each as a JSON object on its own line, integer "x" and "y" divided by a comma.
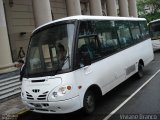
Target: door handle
{"x": 86, "y": 67}
{"x": 87, "y": 70}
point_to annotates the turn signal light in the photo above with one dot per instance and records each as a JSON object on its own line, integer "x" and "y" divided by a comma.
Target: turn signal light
{"x": 69, "y": 87}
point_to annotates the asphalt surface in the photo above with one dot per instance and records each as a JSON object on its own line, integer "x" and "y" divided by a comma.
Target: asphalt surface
{"x": 144, "y": 105}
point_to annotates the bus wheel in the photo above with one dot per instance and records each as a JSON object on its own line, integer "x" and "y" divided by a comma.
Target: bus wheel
{"x": 89, "y": 103}
{"x": 140, "y": 72}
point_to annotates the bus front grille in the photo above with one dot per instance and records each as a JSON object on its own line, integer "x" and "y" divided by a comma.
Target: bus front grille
{"x": 29, "y": 96}
{"x": 43, "y": 96}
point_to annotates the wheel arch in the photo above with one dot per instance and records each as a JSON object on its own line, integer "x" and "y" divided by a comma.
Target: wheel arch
{"x": 141, "y": 62}
{"x": 139, "y": 74}
{"x": 92, "y": 93}
{"x": 96, "y": 90}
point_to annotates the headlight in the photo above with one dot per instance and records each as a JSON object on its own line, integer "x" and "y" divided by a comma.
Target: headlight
{"x": 22, "y": 94}
{"x": 61, "y": 91}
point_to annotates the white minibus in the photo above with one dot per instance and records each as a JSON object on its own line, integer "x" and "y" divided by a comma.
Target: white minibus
{"x": 74, "y": 60}
{"x": 154, "y": 29}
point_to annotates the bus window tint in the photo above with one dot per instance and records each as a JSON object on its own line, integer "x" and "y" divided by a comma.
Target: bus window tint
{"x": 124, "y": 33}
{"x": 154, "y": 30}
{"x": 86, "y": 28}
{"x": 144, "y": 29}
{"x": 90, "y": 46}
{"x": 107, "y": 36}
{"x": 135, "y": 31}
{"x": 88, "y": 41}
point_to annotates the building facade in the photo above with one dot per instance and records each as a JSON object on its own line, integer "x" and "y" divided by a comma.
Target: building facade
{"x": 18, "y": 18}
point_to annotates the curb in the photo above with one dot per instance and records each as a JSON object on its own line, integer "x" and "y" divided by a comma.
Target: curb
{"x": 14, "y": 115}
{"x": 21, "y": 112}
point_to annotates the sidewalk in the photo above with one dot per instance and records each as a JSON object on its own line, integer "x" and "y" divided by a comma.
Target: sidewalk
{"x": 13, "y": 107}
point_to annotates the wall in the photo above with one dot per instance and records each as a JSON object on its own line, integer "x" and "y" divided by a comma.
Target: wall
{"x": 58, "y": 8}
{"x": 19, "y": 20}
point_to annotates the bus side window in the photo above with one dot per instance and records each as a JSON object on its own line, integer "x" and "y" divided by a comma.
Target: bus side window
{"x": 94, "y": 47}
{"x": 89, "y": 47}
{"x": 144, "y": 29}
{"x": 86, "y": 28}
{"x": 88, "y": 42}
{"x": 107, "y": 36}
{"x": 135, "y": 31}
{"x": 124, "y": 33}
{"x": 84, "y": 54}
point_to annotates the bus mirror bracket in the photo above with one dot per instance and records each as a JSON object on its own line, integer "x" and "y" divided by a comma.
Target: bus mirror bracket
{"x": 22, "y": 72}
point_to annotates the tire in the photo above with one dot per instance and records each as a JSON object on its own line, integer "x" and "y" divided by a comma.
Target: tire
{"x": 140, "y": 72}
{"x": 89, "y": 103}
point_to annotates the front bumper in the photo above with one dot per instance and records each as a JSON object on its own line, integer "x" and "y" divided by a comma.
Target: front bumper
{"x": 59, "y": 107}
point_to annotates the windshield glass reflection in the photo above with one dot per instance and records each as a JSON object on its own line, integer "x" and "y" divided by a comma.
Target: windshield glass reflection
{"x": 50, "y": 50}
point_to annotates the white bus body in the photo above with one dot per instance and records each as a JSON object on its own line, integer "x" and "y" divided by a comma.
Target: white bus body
{"x": 154, "y": 29}
{"x": 50, "y": 89}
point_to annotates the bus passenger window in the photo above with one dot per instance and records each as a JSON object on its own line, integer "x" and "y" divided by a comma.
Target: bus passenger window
{"x": 107, "y": 36}
{"x": 135, "y": 31}
{"x": 144, "y": 29}
{"x": 87, "y": 28}
{"x": 85, "y": 55}
{"x": 89, "y": 47}
{"x": 124, "y": 33}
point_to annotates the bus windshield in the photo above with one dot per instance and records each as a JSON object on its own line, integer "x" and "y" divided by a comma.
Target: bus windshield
{"x": 155, "y": 30}
{"x": 49, "y": 51}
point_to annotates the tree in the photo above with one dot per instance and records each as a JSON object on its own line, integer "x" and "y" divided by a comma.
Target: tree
{"x": 150, "y": 9}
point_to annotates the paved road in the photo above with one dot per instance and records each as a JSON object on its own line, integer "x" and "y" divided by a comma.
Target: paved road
{"x": 146, "y": 101}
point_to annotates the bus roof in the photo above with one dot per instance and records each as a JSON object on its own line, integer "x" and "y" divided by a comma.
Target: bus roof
{"x": 85, "y": 17}
{"x": 154, "y": 21}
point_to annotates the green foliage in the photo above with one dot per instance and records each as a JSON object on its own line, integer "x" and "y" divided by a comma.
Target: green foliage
{"x": 153, "y": 9}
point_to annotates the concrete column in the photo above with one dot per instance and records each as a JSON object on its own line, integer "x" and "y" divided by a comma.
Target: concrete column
{"x": 132, "y": 8}
{"x": 104, "y": 7}
{"x": 42, "y": 11}
{"x": 95, "y": 7}
{"x": 5, "y": 52}
{"x": 111, "y": 8}
{"x": 73, "y": 7}
{"x": 123, "y": 8}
